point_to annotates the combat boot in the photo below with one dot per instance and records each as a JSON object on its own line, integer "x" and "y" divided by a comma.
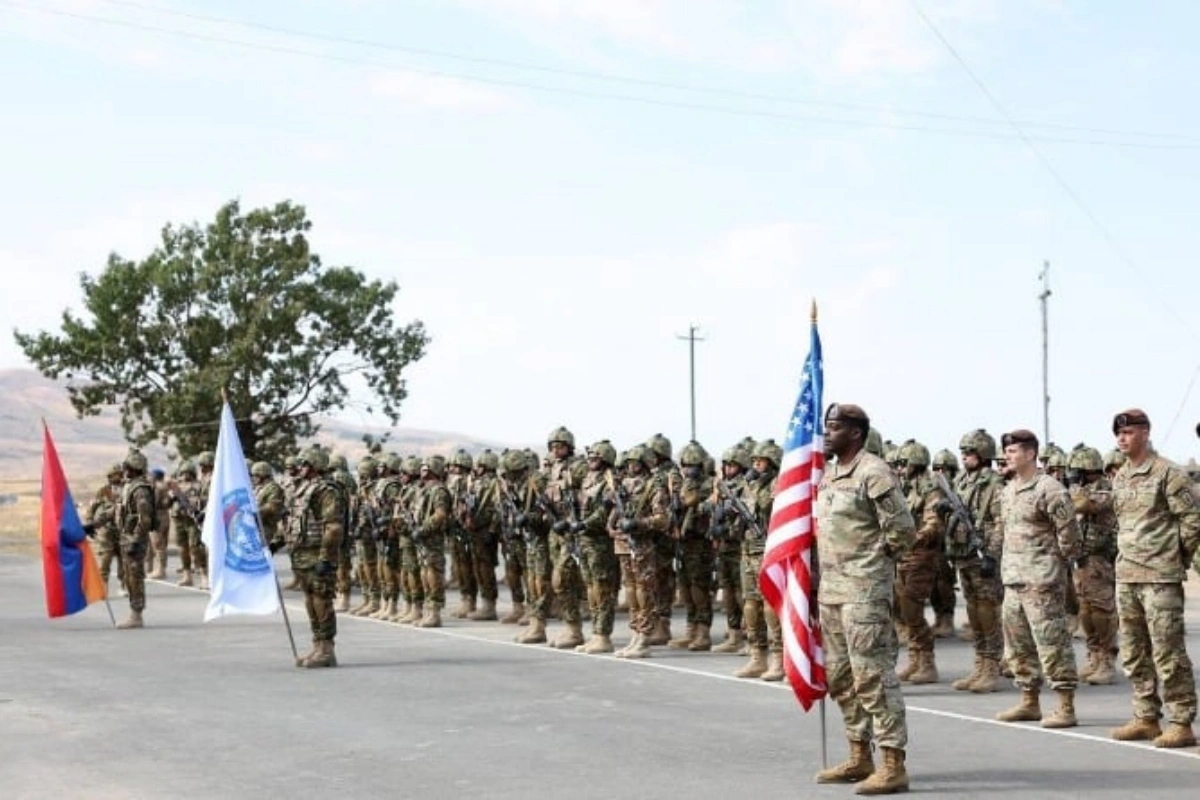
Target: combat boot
{"x": 702, "y": 641}
{"x": 462, "y": 611}
{"x": 341, "y": 603}
{"x": 774, "y": 671}
{"x": 757, "y": 665}
{"x": 681, "y": 642}
{"x": 596, "y": 645}
{"x": 536, "y": 633}
{"x": 570, "y": 638}
{"x": 966, "y": 633}
{"x": 632, "y": 641}
{"x": 399, "y": 611}
{"x": 963, "y": 684}
{"x": 432, "y": 617}
{"x": 301, "y": 659}
{"x": 857, "y": 766}
{"x": 204, "y": 584}
{"x": 988, "y": 679}
{"x": 485, "y": 613}
{"x": 514, "y": 615}
{"x": 901, "y": 632}
{"x": 1104, "y": 674}
{"x": 1136, "y": 730}
{"x": 890, "y": 778}
{"x": 134, "y": 620}
{"x": 1064, "y": 715}
{"x": 660, "y": 635}
{"x": 324, "y": 657}
{"x": 943, "y": 628}
{"x": 733, "y": 642}
{"x": 363, "y": 608}
{"x": 926, "y": 671}
{"x": 905, "y": 672}
{"x": 1028, "y": 710}
{"x": 386, "y": 610}
{"x": 160, "y": 567}
{"x": 1087, "y": 669}
{"x": 185, "y": 579}
{"x": 637, "y": 648}
{"x": 1176, "y": 735}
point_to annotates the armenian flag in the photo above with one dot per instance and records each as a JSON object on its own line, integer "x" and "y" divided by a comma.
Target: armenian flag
{"x": 72, "y": 574}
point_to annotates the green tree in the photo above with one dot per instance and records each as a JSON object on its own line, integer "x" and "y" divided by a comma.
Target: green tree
{"x": 243, "y": 305}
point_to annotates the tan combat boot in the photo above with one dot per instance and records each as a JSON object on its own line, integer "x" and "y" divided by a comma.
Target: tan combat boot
{"x": 432, "y": 617}
{"x": 341, "y": 603}
{"x": 632, "y": 643}
{"x": 963, "y": 684}
{"x": 1137, "y": 729}
{"x": 890, "y": 778}
{"x": 360, "y": 609}
{"x": 134, "y": 620}
{"x": 485, "y": 613}
{"x": 1064, "y": 715}
{"x": 926, "y": 671}
{"x": 1104, "y": 673}
{"x": 1088, "y": 668}
{"x": 857, "y": 766}
{"x": 966, "y": 633}
{"x": 757, "y": 665}
{"x": 514, "y": 615}
{"x": 204, "y": 584}
{"x": 160, "y": 567}
{"x": 733, "y": 642}
{"x": 943, "y": 627}
{"x": 1176, "y": 735}
{"x": 185, "y": 579}
{"x": 386, "y": 610}
{"x": 536, "y": 633}
{"x": 637, "y": 648}
{"x": 462, "y": 610}
{"x": 702, "y": 641}
{"x": 774, "y": 668}
{"x": 399, "y": 610}
{"x": 905, "y": 672}
{"x": 569, "y": 639}
{"x": 1028, "y": 710}
{"x": 681, "y": 642}
{"x": 660, "y": 635}
{"x": 301, "y": 659}
{"x": 988, "y": 679}
{"x": 324, "y": 657}
{"x": 596, "y": 645}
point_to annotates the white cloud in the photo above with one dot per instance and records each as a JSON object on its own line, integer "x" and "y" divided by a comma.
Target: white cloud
{"x": 413, "y": 88}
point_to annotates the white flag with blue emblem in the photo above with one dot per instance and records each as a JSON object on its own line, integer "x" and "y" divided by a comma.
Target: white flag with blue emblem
{"x": 241, "y": 575}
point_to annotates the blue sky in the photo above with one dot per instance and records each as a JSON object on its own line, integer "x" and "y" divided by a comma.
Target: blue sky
{"x": 556, "y": 242}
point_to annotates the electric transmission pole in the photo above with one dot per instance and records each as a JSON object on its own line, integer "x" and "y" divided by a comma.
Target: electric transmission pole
{"x": 1044, "y": 297}
{"x": 691, "y": 339}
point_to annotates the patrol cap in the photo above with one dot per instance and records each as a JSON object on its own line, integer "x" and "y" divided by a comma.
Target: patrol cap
{"x": 1021, "y": 436}
{"x": 850, "y": 414}
{"x": 1132, "y": 417}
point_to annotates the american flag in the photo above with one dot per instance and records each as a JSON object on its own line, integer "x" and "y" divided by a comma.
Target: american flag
{"x": 786, "y": 579}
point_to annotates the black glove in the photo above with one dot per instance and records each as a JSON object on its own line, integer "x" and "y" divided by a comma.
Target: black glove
{"x": 275, "y": 547}
{"x": 560, "y": 526}
{"x": 519, "y": 520}
{"x": 89, "y": 530}
{"x": 987, "y": 567}
{"x": 629, "y": 525}
{"x": 323, "y": 569}
{"x": 943, "y": 506}
{"x": 577, "y": 527}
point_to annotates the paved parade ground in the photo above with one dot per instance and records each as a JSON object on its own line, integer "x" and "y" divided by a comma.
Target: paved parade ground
{"x": 184, "y": 709}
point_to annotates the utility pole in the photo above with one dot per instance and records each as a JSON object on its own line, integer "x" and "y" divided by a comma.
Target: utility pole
{"x": 1044, "y": 297}
{"x": 691, "y": 339}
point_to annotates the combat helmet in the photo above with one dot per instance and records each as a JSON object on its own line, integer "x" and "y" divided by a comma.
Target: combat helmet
{"x": 913, "y": 453}
{"x": 393, "y": 463}
{"x": 488, "y": 460}
{"x": 1085, "y": 459}
{"x": 515, "y": 462}
{"x": 561, "y": 434}
{"x": 874, "y": 444}
{"x": 1114, "y": 458}
{"x": 118, "y": 469}
{"x": 660, "y": 446}
{"x": 640, "y": 454}
{"x": 411, "y": 466}
{"x": 767, "y": 449}
{"x": 604, "y": 451}
{"x": 135, "y": 461}
{"x": 206, "y": 459}
{"x": 366, "y": 467}
{"x": 338, "y": 462}
{"x": 436, "y": 465}
{"x": 979, "y": 442}
{"x": 1049, "y": 451}
{"x": 736, "y": 455}
{"x": 1056, "y": 459}
{"x": 946, "y": 460}
{"x": 692, "y": 455}
{"x": 314, "y": 457}
{"x": 261, "y": 469}
{"x": 462, "y": 458}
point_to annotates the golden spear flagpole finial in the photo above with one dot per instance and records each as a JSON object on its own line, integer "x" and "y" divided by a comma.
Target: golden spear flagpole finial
{"x": 813, "y": 313}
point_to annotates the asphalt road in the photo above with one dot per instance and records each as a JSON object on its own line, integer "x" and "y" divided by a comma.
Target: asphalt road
{"x": 185, "y": 709}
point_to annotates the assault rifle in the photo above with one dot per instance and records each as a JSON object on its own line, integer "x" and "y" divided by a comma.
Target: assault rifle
{"x": 740, "y": 509}
{"x": 571, "y": 535}
{"x": 185, "y": 505}
{"x": 960, "y": 528}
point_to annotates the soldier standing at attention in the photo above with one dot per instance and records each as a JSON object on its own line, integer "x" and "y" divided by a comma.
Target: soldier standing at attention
{"x": 1095, "y": 585}
{"x": 1158, "y": 533}
{"x": 136, "y": 519}
{"x": 102, "y": 515}
{"x": 917, "y": 570}
{"x": 315, "y": 528}
{"x": 1040, "y": 537}
{"x": 863, "y": 527}
{"x": 156, "y": 556}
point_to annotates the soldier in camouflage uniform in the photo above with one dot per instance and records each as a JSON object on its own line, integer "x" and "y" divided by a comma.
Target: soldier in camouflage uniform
{"x": 458, "y": 539}
{"x": 316, "y": 525}
{"x": 1158, "y": 534}
{"x": 627, "y": 599}
{"x": 978, "y": 569}
{"x": 728, "y": 532}
{"x": 1095, "y": 580}
{"x": 386, "y": 494}
{"x": 642, "y": 514}
{"x": 526, "y": 486}
{"x": 1040, "y": 537}
{"x": 404, "y": 512}
{"x": 764, "y": 634}
{"x": 482, "y": 522}
{"x": 942, "y": 598}
{"x": 186, "y": 510}
{"x": 156, "y": 555}
{"x": 564, "y": 476}
{"x": 364, "y": 522}
{"x": 270, "y": 498}
{"x": 435, "y": 511}
{"x": 512, "y": 536}
{"x": 596, "y": 546}
{"x": 918, "y": 568}
{"x": 204, "y": 463}
{"x": 102, "y": 515}
{"x": 863, "y": 526}
{"x": 658, "y": 453}
{"x": 136, "y": 518}
{"x": 338, "y": 470}
{"x": 696, "y": 555}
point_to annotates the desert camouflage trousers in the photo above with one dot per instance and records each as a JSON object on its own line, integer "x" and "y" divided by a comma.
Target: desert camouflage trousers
{"x": 566, "y": 579}
{"x": 664, "y": 580}
{"x": 763, "y": 629}
{"x": 604, "y": 579}
{"x": 318, "y": 601}
{"x": 538, "y": 569}
{"x": 1154, "y": 651}
{"x": 860, "y": 670}
{"x": 696, "y": 578}
{"x": 462, "y": 561}
{"x": 643, "y": 563}
{"x": 729, "y": 579}
{"x": 983, "y": 597}
{"x": 515, "y": 567}
{"x": 133, "y": 567}
{"x": 1037, "y": 637}
{"x": 1096, "y": 589}
{"x": 916, "y": 575}
{"x": 367, "y": 567}
{"x": 431, "y": 555}
{"x": 484, "y": 556}
{"x": 410, "y": 571}
{"x": 388, "y": 566}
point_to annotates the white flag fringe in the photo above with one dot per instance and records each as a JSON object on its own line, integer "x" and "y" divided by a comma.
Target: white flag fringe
{"x": 240, "y": 572}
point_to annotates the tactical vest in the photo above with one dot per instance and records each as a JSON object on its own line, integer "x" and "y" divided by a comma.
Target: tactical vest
{"x": 125, "y": 519}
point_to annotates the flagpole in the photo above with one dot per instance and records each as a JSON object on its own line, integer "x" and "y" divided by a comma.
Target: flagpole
{"x": 815, "y": 569}
{"x": 108, "y": 605}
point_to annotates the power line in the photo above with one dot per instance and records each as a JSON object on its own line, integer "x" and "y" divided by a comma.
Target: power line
{"x": 628, "y": 79}
{"x": 576, "y": 92}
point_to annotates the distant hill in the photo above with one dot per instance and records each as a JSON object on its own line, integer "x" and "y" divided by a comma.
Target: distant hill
{"x": 88, "y": 446}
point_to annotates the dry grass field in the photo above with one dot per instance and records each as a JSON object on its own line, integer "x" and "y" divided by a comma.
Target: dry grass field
{"x": 21, "y": 508}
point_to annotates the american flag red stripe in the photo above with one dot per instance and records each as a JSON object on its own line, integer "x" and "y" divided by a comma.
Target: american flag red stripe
{"x": 786, "y": 579}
